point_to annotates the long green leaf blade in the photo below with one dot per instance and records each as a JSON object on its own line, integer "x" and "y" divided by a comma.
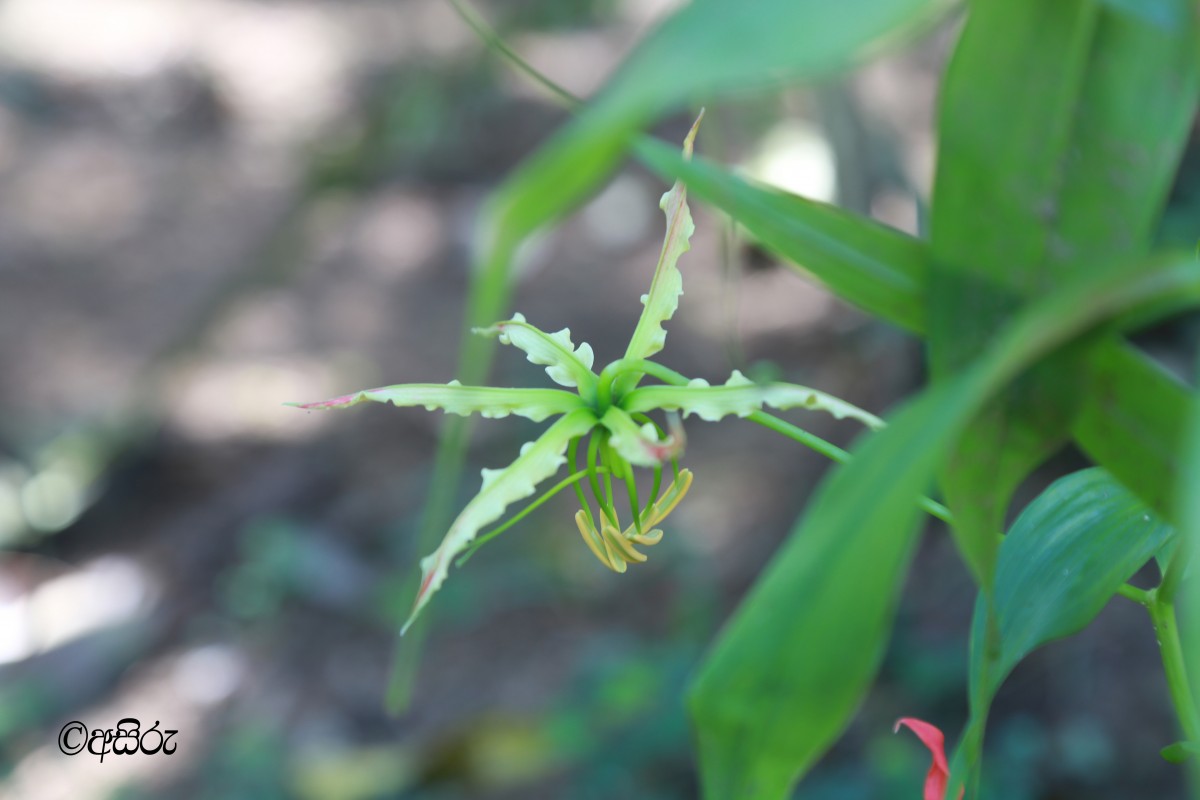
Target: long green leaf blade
{"x": 779, "y": 687}
{"x": 1131, "y": 413}
{"x": 1073, "y": 174}
{"x": 1132, "y": 422}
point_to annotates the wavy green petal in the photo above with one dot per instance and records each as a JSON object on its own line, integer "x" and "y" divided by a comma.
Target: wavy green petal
{"x": 566, "y": 364}
{"x": 639, "y": 444}
{"x": 454, "y": 398}
{"x": 660, "y": 302}
{"x": 539, "y": 460}
{"x": 742, "y": 397}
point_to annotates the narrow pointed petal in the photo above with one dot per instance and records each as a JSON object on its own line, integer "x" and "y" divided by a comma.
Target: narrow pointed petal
{"x": 660, "y": 303}
{"x": 636, "y": 444}
{"x": 566, "y": 364}
{"x": 454, "y": 398}
{"x": 939, "y": 771}
{"x": 538, "y": 461}
{"x": 741, "y": 397}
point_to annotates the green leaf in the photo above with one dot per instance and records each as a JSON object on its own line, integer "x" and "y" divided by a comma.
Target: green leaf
{"x": 778, "y": 688}
{"x": 1179, "y": 752}
{"x": 660, "y": 303}
{"x": 1053, "y": 157}
{"x": 708, "y": 47}
{"x": 705, "y": 49}
{"x": 989, "y": 227}
{"x": 566, "y": 364}
{"x": 571, "y": 165}
{"x": 538, "y": 461}
{"x": 1062, "y": 560}
{"x": 1132, "y": 422}
{"x": 1189, "y": 524}
{"x": 1131, "y": 413}
{"x": 741, "y": 397}
{"x": 454, "y": 398}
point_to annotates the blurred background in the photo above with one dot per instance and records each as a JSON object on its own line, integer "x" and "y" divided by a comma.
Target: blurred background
{"x": 211, "y": 207}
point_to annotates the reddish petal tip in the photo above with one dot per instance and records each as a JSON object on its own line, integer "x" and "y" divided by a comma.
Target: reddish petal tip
{"x": 336, "y": 402}
{"x": 939, "y": 771}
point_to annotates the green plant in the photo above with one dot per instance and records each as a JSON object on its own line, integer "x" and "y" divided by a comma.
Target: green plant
{"x": 1060, "y": 128}
{"x": 609, "y": 410}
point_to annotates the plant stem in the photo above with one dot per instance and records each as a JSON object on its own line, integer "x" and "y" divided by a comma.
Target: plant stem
{"x": 571, "y": 480}
{"x": 1173, "y": 574}
{"x": 929, "y": 506}
{"x": 488, "y": 34}
{"x": 832, "y": 451}
{"x": 1139, "y": 596}
{"x": 1166, "y": 629}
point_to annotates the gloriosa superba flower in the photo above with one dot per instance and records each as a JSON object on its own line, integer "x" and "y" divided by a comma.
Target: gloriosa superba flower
{"x": 608, "y": 408}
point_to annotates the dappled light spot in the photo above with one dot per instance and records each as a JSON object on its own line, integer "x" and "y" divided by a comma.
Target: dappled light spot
{"x": 284, "y": 68}
{"x": 209, "y": 674}
{"x": 796, "y": 156}
{"x": 243, "y": 399}
{"x": 264, "y": 323}
{"x": 396, "y": 233}
{"x": 123, "y": 38}
{"x": 52, "y": 499}
{"x": 107, "y": 592}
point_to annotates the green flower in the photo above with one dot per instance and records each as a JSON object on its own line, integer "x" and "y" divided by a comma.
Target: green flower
{"x": 608, "y": 408}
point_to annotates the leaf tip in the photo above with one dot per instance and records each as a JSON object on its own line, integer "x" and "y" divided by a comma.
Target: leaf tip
{"x": 432, "y": 575}
{"x": 690, "y": 139}
{"x": 336, "y": 402}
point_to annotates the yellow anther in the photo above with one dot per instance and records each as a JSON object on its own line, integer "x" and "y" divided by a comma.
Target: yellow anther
{"x": 595, "y": 543}
{"x": 614, "y": 548}
{"x": 670, "y": 498}
{"x": 648, "y": 538}
{"x": 622, "y": 545}
{"x": 659, "y": 510}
